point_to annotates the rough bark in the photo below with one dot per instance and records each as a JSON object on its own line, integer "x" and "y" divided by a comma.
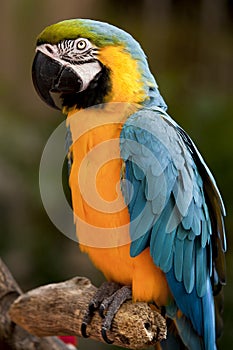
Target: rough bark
{"x": 58, "y": 309}
{"x": 12, "y": 336}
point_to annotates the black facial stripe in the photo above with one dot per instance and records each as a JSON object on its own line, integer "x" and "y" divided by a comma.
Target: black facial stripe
{"x": 72, "y": 52}
{"x": 78, "y": 63}
{"x": 75, "y": 58}
{"x": 65, "y": 44}
{"x": 86, "y": 53}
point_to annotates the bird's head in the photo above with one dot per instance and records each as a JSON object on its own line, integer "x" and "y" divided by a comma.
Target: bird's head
{"x": 80, "y": 63}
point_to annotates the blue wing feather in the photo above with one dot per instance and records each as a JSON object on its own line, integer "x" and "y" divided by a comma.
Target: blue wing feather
{"x": 196, "y": 224}
{"x": 170, "y": 212}
{"x": 178, "y": 258}
{"x": 201, "y": 274}
{"x": 189, "y": 265}
{"x": 166, "y": 258}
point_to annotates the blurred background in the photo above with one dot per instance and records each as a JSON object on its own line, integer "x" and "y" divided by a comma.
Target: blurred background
{"x": 190, "y": 52}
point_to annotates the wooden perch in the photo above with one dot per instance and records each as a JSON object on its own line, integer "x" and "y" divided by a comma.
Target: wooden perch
{"x": 12, "y": 336}
{"x": 58, "y": 309}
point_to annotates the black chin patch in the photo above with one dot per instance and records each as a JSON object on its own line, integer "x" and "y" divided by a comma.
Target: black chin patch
{"x": 94, "y": 94}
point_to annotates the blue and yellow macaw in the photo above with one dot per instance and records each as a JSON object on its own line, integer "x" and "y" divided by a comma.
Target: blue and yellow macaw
{"x": 168, "y": 203}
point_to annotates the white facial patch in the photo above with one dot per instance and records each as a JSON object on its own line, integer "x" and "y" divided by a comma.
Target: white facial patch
{"x": 87, "y": 72}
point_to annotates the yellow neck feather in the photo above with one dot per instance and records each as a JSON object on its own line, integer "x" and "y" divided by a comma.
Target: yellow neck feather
{"x": 127, "y": 85}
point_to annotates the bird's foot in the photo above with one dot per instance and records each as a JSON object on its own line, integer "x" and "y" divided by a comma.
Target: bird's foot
{"x": 107, "y": 300}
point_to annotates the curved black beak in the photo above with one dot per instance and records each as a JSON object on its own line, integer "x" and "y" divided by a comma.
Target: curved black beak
{"x": 51, "y": 77}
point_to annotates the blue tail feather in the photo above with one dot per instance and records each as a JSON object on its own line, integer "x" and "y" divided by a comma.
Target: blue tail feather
{"x": 198, "y": 321}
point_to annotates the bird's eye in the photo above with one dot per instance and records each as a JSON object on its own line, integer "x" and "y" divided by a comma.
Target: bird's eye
{"x": 81, "y": 44}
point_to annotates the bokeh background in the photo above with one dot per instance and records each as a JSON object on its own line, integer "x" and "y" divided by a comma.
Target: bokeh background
{"x": 189, "y": 46}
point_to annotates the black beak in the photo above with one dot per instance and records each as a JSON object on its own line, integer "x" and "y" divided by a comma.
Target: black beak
{"x": 51, "y": 77}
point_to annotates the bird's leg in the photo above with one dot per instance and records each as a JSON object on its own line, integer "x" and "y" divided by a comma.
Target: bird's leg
{"x": 113, "y": 303}
{"x": 107, "y": 300}
{"x": 102, "y": 293}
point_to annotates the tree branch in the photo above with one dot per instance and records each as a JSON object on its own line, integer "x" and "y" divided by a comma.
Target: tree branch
{"x": 58, "y": 309}
{"x": 12, "y": 336}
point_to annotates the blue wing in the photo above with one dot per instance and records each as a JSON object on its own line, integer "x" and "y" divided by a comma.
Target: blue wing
{"x": 175, "y": 209}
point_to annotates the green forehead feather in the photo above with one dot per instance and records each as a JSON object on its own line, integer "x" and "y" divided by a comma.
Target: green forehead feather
{"x": 101, "y": 34}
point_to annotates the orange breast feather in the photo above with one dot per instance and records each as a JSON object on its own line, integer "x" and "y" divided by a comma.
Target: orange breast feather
{"x": 101, "y": 215}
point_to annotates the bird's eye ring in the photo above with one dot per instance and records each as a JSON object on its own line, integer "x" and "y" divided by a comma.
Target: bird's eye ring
{"x": 81, "y": 44}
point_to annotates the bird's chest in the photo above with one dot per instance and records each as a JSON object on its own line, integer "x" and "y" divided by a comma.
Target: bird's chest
{"x": 101, "y": 215}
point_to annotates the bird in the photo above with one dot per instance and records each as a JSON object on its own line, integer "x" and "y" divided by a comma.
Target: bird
{"x": 147, "y": 208}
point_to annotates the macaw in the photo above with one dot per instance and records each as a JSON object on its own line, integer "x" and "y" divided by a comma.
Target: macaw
{"x": 169, "y": 206}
